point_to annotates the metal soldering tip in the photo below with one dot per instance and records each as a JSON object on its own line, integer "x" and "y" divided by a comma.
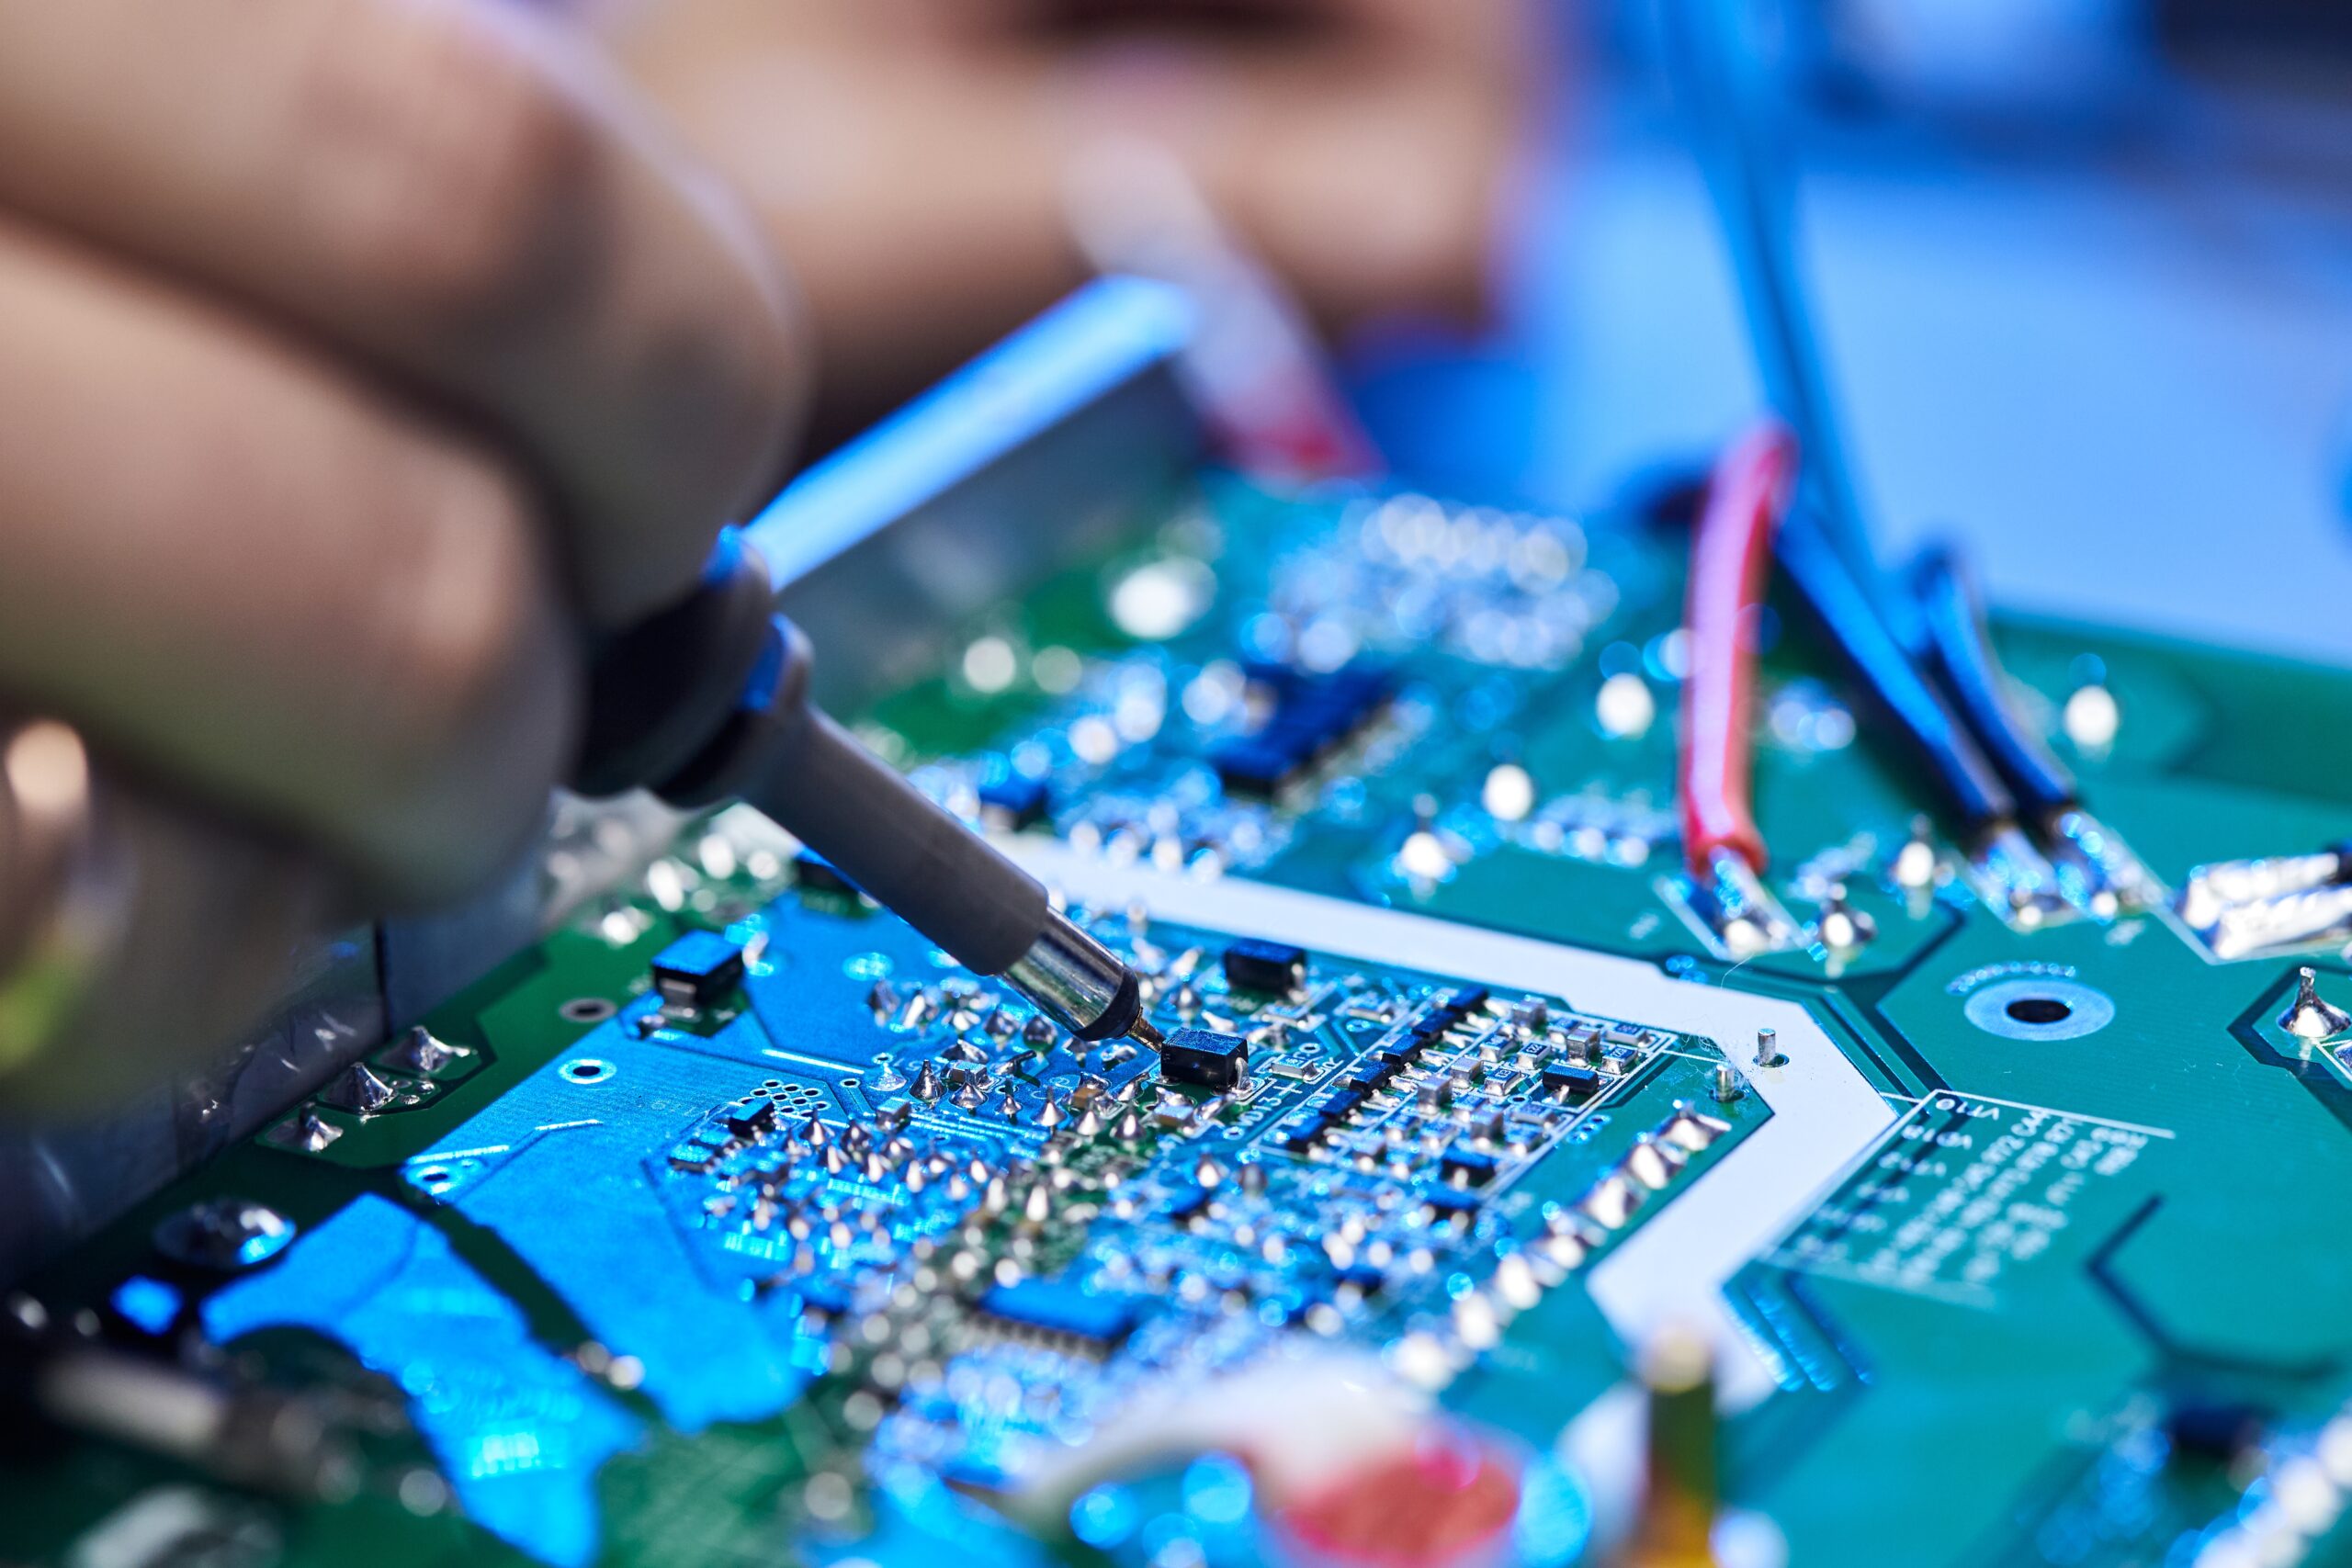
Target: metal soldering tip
{"x": 1143, "y": 1033}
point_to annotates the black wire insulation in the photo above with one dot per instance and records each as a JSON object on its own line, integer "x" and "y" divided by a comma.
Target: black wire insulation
{"x": 1959, "y": 648}
{"x": 1972, "y": 786}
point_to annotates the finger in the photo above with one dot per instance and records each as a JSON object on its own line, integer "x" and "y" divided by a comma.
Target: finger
{"x": 143, "y": 933}
{"x": 917, "y": 181}
{"x": 1371, "y": 170}
{"x": 447, "y": 188}
{"x": 235, "y": 568}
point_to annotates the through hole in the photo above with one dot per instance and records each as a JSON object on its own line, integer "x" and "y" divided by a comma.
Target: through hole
{"x": 586, "y": 1009}
{"x": 2039, "y": 1009}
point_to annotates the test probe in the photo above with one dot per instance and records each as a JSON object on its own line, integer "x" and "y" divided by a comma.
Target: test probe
{"x": 708, "y": 701}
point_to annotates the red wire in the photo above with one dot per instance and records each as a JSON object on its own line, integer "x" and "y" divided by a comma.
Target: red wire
{"x": 1731, "y": 554}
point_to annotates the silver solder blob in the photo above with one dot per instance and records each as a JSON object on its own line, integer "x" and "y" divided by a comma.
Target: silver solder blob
{"x": 2312, "y": 1016}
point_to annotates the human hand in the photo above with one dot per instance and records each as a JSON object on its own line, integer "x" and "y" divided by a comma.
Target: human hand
{"x": 912, "y": 158}
{"x": 354, "y": 354}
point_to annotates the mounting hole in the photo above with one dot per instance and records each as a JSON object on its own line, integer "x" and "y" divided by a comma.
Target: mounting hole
{"x": 586, "y": 1009}
{"x": 433, "y": 1177}
{"x": 587, "y": 1069}
{"x": 2040, "y": 1007}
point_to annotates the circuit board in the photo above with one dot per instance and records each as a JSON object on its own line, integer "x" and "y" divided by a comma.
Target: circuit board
{"x": 733, "y": 1224}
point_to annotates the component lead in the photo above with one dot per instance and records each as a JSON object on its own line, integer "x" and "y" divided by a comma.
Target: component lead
{"x": 1768, "y": 1049}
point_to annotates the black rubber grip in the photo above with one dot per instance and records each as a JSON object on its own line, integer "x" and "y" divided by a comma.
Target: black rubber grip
{"x": 659, "y": 692}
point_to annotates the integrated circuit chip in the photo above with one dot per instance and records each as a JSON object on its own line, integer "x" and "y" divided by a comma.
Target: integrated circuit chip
{"x": 1270, "y": 968}
{"x": 697, "y": 969}
{"x": 1015, "y": 803}
{"x": 1204, "y": 1059}
{"x": 1062, "y": 1315}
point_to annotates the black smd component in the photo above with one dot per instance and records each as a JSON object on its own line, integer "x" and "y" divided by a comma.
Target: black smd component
{"x": 751, "y": 1116}
{"x": 1313, "y": 716}
{"x": 1300, "y": 1133}
{"x": 1464, "y": 1003}
{"x": 1468, "y": 1166}
{"x": 697, "y": 969}
{"x": 1016, "y": 802}
{"x": 1444, "y": 1205}
{"x": 1204, "y": 1059}
{"x": 2217, "y": 1430}
{"x": 1574, "y": 1083}
{"x": 1253, "y": 767}
{"x": 1269, "y": 968}
{"x": 1187, "y": 1204}
{"x": 1060, "y": 1313}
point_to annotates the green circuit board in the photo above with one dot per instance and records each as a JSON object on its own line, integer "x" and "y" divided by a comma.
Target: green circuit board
{"x": 732, "y": 1223}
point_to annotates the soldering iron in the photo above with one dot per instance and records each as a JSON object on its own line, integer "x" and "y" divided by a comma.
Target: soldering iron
{"x": 708, "y": 702}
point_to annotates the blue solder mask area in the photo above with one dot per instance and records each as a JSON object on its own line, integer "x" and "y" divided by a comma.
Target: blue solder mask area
{"x": 569, "y": 1175}
{"x": 518, "y": 1431}
{"x": 577, "y": 1169}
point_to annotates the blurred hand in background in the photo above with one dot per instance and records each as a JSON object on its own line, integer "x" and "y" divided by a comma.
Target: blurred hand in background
{"x": 913, "y": 159}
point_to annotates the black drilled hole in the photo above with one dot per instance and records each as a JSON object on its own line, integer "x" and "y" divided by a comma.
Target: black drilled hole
{"x": 2039, "y": 1009}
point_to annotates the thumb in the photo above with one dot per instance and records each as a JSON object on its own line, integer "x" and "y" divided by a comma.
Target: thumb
{"x": 136, "y": 933}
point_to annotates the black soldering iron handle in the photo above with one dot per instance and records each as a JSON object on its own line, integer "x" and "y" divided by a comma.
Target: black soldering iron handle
{"x": 709, "y": 702}
{"x": 659, "y": 692}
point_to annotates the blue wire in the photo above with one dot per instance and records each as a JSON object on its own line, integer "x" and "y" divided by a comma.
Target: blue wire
{"x": 1973, "y": 788}
{"x": 1755, "y": 200}
{"x": 1960, "y": 645}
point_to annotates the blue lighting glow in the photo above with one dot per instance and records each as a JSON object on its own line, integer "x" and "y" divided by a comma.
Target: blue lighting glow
{"x": 518, "y": 1431}
{"x": 1105, "y": 1518}
{"x": 1217, "y": 1490}
{"x": 1100, "y": 336}
{"x": 149, "y": 1304}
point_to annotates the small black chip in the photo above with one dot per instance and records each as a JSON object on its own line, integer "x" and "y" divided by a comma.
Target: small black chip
{"x": 1015, "y": 802}
{"x": 1342, "y": 1104}
{"x": 1061, "y": 1313}
{"x": 1574, "y": 1083}
{"x": 697, "y": 969}
{"x": 1445, "y": 1205}
{"x": 1188, "y": 1203}
{"x": 1463, "y": 1003}
{"x": 1254, "y": 769}
{"x": 1467, "y": 1167}
{"x": 2219, "y": 1430}
{"x": 750, "y": 1116}
{"x": 1204, "y": 1058}
{"x": 1300, "y": 1133}
{"x": 1269, "y": 968}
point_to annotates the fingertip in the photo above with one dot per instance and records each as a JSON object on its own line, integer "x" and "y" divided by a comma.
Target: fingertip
{"x": 477, "y": 687}
{"x": 173, "y": 933}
